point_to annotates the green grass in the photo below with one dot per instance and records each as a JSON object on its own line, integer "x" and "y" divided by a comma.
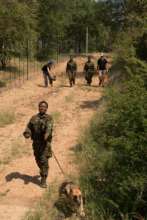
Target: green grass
{"x": 56, "y": 116}
{"x": 2, "y": 84}
{"x": 69, "y": 98}
{"x": 6, "y": 118}
{"x": 18, "y": 70}
{"x": 3, "y": 194}
{"x": 18, "y": 150}
{"x": 44, "y": 210}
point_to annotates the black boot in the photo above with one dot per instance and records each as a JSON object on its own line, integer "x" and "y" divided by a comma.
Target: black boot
{"x": 74, "y": 81}
{"x": 43, "y": 182}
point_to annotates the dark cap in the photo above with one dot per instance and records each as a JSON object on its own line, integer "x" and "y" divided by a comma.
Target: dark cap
{"x": 43, "y": 102}
{"x": 51, "y": 62}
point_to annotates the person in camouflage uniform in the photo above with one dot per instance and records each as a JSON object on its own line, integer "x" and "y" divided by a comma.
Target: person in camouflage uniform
{"x": 39, "y": 129}
{"x": 89, "y": 70}
{"x": 71, "y": 70}
{"x": 48, "y": 75}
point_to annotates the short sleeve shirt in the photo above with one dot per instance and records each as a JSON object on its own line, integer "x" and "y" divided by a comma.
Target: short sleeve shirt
{"x": 102, "y": 64}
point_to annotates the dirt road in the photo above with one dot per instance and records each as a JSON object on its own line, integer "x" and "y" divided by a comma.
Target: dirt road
{"x": 71, "y": 108}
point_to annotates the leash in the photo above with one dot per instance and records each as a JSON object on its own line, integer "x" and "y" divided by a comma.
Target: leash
{"x": 57, "y": 161}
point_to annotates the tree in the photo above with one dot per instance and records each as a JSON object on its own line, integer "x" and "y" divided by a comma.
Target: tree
{"x": 51, "y": 25}
{"x": 17, "y": 26}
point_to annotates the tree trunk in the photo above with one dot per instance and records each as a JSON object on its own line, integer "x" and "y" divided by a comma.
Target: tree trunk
{"x": 3, "y": 63}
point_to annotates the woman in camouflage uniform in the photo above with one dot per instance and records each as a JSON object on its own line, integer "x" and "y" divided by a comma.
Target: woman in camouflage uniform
{"x": 40, "y": 129}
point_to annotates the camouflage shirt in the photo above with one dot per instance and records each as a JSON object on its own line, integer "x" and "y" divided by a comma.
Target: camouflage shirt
{"x": 38, "y": 126}
{"x": 71, "y": 66}
{"x": 89, "y": 67}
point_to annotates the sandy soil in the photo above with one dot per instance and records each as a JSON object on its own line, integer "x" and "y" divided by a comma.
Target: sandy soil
{"x": 72, "y": 108}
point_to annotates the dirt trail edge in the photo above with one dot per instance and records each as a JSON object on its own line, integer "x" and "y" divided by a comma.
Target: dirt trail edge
{"x": 72, "y": 108}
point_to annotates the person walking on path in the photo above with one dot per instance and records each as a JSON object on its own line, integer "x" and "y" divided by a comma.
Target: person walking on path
{"x": 48, "y": 75}
{"x": 39, "y": 129}
{"x": 102, "y": 69}
{"x": 71, "y": 70}
{"x": 89, "y": 70}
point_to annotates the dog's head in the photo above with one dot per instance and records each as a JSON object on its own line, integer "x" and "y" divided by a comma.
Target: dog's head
{"x": 76, "y": 195}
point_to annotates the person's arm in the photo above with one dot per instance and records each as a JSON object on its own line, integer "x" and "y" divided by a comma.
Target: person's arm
{"x": 49, "y": 129}
{"x": 75, "y": 67}
{"x": 107, "y": 66}
{"x": 98, "y": 63}
{"x": 49, "y": 70}
{"x": 67, "y": 68}
{"x": 28, "y": 131}
{"x": 85, "y": 67}
{"x": 93, "y": 67}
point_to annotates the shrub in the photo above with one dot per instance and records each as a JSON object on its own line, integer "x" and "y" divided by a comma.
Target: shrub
{"x": 115, "y": 173}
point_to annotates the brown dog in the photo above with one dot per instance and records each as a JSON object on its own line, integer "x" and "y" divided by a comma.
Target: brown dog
{"x": 74, "y": 194}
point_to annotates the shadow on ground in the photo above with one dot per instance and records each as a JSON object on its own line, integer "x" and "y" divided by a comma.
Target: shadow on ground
{"x": 26, "y": 178}
{"x": 64, "y": 86}
{"x": 39, "y": 85}
{"x": 93, "y": 104}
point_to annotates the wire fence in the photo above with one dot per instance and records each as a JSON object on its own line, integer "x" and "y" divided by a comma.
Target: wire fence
{"x": 19, "y": 64}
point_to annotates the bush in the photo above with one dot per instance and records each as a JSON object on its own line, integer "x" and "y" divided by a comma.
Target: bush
{"x": 125, "y": 68}
{"x": 141, "y": 47}
{"x": 115, "y": 174}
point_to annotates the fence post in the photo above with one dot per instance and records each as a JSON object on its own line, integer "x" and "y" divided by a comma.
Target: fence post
{"x": 27, "y": 59}
{"x": 57, "y": 48}
{"x": 19, "y": 68}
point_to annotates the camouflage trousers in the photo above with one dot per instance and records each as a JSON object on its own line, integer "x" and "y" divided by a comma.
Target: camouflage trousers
{"x": 88, "y": 77}
{"x": 47, "y": 79}
{"x": 72, "y": 78}
{"x": 42, "y": 153}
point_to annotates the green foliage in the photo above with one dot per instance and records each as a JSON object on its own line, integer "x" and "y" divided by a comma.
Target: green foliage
{"x": 17, "y": 26}
{"x": 6, "y": 117}
{"x": 115, "y": 153}
{"x": 56, "y": 116}
{"x": 128, "y": 67}
{"x": 142, "y": 47}
{"x": 45, "y": 209}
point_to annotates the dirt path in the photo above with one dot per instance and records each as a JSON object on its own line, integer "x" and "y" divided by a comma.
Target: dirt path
{"x": 71, "y": 108}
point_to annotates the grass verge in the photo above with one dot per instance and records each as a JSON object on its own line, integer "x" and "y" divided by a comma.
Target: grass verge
{"x": 18, "y": 149}
{"x": 6, "y": 118}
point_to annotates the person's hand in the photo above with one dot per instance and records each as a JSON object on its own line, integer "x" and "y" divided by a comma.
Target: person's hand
{"x": 26, "y": 135}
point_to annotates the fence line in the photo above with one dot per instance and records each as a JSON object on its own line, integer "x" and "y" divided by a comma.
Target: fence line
{"x": 23, "y": 65}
